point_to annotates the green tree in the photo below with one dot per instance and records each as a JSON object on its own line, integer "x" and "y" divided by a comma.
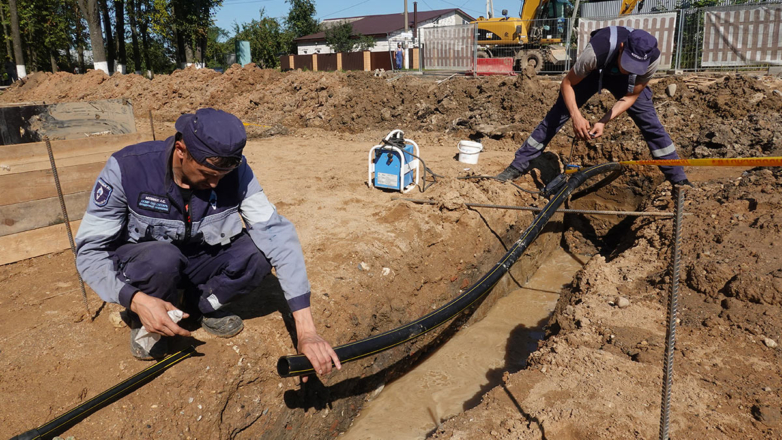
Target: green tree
{"x": 301, "y": 21}
{"x": 267, "y": 40}
{"x": 341, "y": 38}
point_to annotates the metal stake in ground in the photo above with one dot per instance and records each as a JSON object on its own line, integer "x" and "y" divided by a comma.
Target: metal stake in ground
{"x": 152, "y": 125}
{"x": 67, "y": 221}
{"x": 673, "y": 304}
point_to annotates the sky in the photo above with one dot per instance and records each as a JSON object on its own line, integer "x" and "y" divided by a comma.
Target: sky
{"x": 241, "y": 11}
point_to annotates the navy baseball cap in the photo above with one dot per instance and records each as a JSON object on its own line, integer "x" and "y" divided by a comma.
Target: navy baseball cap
{"x": 212, "y": 133}
{"x": 639, "y": 51}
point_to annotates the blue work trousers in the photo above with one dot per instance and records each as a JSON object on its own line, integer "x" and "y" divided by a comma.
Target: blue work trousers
{"x": 641, "y": 112}
{"x": 216, "y": 274}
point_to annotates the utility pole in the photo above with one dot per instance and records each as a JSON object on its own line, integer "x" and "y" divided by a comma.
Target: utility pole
{"x": 21, "y": 72}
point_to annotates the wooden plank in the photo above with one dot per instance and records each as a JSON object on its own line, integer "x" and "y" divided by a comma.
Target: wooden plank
{"x": 36, "y": 185}
{"x": 17, "y": 154}
{"x": 24, "y": 245}
{"x": 44, "y": 164}
{"x": 36, "y": 214}
{"x": 66, "y": 120}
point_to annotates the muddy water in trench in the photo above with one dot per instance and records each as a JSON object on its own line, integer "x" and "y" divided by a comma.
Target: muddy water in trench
{"x": 453, "y": 379}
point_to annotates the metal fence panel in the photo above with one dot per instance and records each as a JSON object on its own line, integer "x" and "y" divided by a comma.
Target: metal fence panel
{"x": 353, "y": 61}
{"x": 327, "y": 62}
{"x": 611, "y": 8}
{"x": 740, "y": 36}
{"x": 661, "y": 26}
{"x": 448, "y": 47}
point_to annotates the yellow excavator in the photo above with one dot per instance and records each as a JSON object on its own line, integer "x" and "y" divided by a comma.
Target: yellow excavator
{"x": 533, "y": 38}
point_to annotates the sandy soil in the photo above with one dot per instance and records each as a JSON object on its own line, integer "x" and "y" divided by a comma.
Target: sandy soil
{"x": 596, "y": 375}
{"x": 53, "y": 357}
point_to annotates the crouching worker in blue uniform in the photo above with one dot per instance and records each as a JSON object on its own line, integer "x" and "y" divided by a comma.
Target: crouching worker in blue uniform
{"x": 621, "y": 60}
{"x": 168, "y": 214}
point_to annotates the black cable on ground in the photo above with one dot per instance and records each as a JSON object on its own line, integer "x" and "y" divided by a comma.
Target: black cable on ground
{"x": 70, "y": 418}
{"x": 399, "y": 143}
{"x": 297, "y": 365}
{"x": 495, "y": 178}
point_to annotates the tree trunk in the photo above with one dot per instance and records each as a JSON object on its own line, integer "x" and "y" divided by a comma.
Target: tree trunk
{"x": 119, "y": 15}
{"x": 189, "y": 51}
{"x": 134, "y": 36}
{"x": 205, "y": 35}
{"x": 89, "y": 9}
{"x": 79, "y": 42}
{"x": 143, "y": 26}
{"x": 21, "y": 72}
{"x": 111, "y": 55}
{"x": 53, "y": 60}
{"x": 8, "y": 51}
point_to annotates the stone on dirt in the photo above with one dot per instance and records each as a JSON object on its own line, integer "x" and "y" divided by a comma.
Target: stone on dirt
{"x": 670, "y": 90}
{"x": 770, "y": 343}
{"x": 622, "y": 302}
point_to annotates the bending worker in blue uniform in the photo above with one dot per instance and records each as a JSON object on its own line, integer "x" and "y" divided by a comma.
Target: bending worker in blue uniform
{"x": 622, "y": 60}
{"x": 168, "y": 214}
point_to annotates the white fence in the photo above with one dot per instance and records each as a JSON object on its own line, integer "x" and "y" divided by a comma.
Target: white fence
{"x": 661, "y": 26}
{"x": 729, "y": 37}
{"x": 740, "y": 36}
{"x": 448, "y": 47}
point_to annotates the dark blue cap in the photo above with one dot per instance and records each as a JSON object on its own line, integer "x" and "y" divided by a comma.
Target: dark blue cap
{"x": 639, "y": 51}
{"x": 212, "y": 133}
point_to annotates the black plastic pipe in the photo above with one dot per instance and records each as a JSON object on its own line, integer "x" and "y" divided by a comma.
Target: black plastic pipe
{"x": 298, "y": 365}
{"x": 70, "y": 418}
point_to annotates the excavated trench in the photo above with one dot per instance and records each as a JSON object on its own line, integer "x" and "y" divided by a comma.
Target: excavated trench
{"x": 453, "y": 377}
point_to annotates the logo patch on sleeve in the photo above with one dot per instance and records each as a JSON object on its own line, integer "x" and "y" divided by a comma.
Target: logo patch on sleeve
{"x": 153, "y": 202}
{"x": 102, "y": 193}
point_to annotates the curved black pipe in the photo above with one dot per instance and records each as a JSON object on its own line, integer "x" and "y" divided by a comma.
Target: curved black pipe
{"x": 70, "y": 418}
{"x": 297, "y": 365}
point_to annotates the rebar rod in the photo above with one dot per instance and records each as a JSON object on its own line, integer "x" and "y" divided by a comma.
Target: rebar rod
{"x": 67, "y": 221}
{"x": 534, "y": 208}
{"x": 673, "y": 304}
{"x": 152, "y": 125}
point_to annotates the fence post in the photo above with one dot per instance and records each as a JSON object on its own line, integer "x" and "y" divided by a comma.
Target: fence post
{"x": 367, "y": 61}
{"x": 567, "y": 42}
{"x": 698, "y": 41}
{"x": 290, "y": 61}
{"x": 679, "y": 38}
{"x": 339, "y": 61}
{"x": 475, "y": 51}
{"x": 314, "y": 62}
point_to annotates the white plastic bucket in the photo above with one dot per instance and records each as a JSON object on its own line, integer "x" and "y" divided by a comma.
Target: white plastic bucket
{"x": 469, "y": 151}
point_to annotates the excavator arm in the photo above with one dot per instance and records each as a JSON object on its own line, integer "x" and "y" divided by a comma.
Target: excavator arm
{"x": 628, "y": 6}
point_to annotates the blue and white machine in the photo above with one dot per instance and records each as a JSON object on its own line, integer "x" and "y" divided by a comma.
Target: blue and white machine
{"x": 394, "y": 163}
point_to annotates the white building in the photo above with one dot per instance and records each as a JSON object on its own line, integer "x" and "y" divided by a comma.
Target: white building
{"x": 387, "y": 29}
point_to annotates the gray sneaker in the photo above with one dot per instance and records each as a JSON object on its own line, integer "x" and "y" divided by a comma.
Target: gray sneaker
{"x": 222, "y": 324}
{"x": 158, "y": 350}
{"x": 510, "y": 173}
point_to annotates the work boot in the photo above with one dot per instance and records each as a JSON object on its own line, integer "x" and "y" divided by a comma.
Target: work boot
{"x": 222, "y": 324}
{"x": 158, "y": 351}
{"x": 510, "y": 173}
{"x": 684, "y": 182}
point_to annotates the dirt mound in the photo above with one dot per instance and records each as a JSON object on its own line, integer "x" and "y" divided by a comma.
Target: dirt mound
{"x": 598, "y": 375}
{"x": 732, "y": 116}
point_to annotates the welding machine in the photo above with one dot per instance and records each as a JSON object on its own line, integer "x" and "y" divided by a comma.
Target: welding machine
{"x": 394, "y": 163}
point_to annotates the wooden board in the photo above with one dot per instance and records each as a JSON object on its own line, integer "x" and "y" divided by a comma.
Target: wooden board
{"x": 20, "y": 154}
{"x": 36, "y": 214}
{"x": 67, "y": 120}
{"x": 61, "y": 163}
{"x": 29, "y": 244}
{"x": 36, "y": 185}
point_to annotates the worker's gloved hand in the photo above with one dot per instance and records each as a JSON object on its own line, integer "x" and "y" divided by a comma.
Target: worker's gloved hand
{"x": 581, "y": 127}
{"x": 597, "y": 130}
